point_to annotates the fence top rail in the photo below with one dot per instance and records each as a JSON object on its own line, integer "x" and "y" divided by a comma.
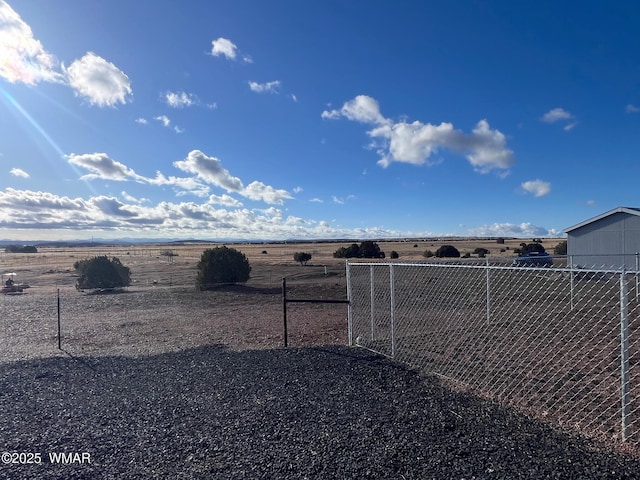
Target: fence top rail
{"x": 483, "y": 266}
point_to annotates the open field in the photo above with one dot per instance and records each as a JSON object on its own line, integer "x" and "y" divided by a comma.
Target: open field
{"x": 165, "y": 381}
{"x": 52, "y": 267}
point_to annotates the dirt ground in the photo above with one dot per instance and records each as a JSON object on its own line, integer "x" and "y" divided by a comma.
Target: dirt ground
{"x": 162, "y": 310}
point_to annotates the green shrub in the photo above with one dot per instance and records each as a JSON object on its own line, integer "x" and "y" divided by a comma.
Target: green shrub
{"x": 394, "y": 254}
{"x": 481, "y": 251}
{"x": 20, "y": 249}
{"x": 101, "y": 273}
{"x": 448, "y": 251}
{"x": 302, "y": 257}
{"x": 428, "y": 254}
{"x": 366, "y": 249}
{"x": 222, "y": 265}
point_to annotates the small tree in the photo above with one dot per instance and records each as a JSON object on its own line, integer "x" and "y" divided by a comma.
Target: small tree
{"x": 447, "y": 251}
{"x": 394, "y": 254}
{"x": 102, "y": 273}
{"x": 369, "y": 249}
{"x": 352, "y": 251}
{"x": 428, "y": 254}
{"x": 561, "y": 248}
{"x": 222, "y": 265}
{"x": 481, "y": 252}
{"x": 302, "y": 257}
{"x": 500, "y": 240}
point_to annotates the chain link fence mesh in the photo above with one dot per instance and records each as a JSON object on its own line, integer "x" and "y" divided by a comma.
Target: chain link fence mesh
{"x": 560, "y": 344}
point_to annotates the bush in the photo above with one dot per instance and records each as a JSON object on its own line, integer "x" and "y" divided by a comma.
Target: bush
{"x": 369, "y": 249}
{"x": 222, "y": 265}
{"x": 448, "y": 251}
{"x": 428, "y": 254}
{"x": 20, "y": 249}
{"x": 499, "y": 240}
{"x": 394, "y": 254}
{"x": 481, "y": 251}
{"x": 561, "y": 248}
{"x": 102, "y": 273}
{"x": 352, "y": 251}
{"x": 302, "y": 257}
{"x": 366, "y": 249}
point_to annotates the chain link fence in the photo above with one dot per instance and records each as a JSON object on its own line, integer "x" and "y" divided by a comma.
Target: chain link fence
{"x": 561, "y": 344}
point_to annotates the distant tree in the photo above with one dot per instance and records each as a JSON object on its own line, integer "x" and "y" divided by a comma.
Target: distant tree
{"x": 102, "y": 273}
{"x": 560, "y": 248}
{"x": 366, "y": 249}
{"x": 537, "y": 240}
{"x": 20, "y": 249}
{"x": 481, "y": 251}
{"x": 394, "y": 254}
{"x": 222, "y": 265}
{"x": 499, "y": 240}
{"x": 447, "y": 251}
{"x": 370, "y": 249}
{"x": 352, "y": 251}
{"x": 428, "y": 254}
{"x": 302, "y": 257}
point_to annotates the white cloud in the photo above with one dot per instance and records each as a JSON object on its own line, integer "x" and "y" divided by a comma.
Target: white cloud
{"x": 416, "y": 142}
{"x": 630, "y": 108}
{"x": 142, "y": 121}
{"x": 525, "y": 229}
{"x": 316, "y": 200}
{"x": 132, "y": 199}
{"x": 98, "y": 80}
{"x": 538, "y": 188}
{"x": 103, "y": 167}
{"x": 225, "y": 200}
{"x": 23, "y": 209}
{"x": 22, "y": 57}
{"x": 259, "y": 191}
{"x": 210, "y": 170}
{"x": 556, "y": 114}
{"x": 361, "y": 109}
{"x": 225, "y": 47}
{"x": 298, "y": 190}
{"x": 268, "y": 87}
{"x": 18, "y": 172}
{"x": 180, "y": 99}
{"x": 163, "y": 119}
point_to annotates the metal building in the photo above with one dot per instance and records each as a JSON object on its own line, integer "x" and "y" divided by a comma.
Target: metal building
{"x": 609, "y": 240}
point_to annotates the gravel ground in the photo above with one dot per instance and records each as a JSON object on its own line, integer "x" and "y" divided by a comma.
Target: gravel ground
{"x": 317, "y": 413}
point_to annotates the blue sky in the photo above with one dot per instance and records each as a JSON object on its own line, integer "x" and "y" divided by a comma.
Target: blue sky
{"x": 333, "y": 119}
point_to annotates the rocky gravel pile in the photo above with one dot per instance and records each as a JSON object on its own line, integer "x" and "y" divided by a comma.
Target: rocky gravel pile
{"x": 310, "y": 413}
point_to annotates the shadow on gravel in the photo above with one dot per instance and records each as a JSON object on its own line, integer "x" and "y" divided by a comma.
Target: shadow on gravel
{"x": 317, "y": 413}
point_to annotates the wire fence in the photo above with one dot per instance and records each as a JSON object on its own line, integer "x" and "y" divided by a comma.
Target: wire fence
{"x": 561, "y": 344}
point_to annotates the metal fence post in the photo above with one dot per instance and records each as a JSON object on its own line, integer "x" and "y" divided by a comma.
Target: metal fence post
{"x": 571, "y": 279}
{"x": 349, "y": 312}
{"x": 636, "y": 273}
{"x": 393, "y": 311}
{"x": 488, "y": 294}
{"x": 624, "y": 355}
{"x": 372, "y": 300}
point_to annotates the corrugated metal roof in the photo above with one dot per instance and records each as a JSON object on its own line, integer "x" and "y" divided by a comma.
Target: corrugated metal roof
{"x": 629, "y": 210}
